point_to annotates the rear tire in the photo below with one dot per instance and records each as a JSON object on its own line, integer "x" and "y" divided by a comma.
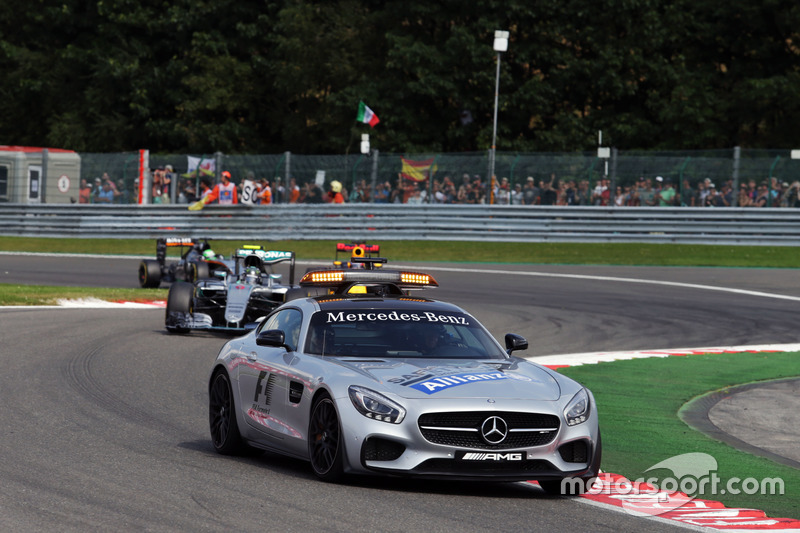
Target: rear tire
{"x": 222, "y": 422}
{"x": 149, "y": 274}
{"x": 325, "y": 446}
{"x": 180, "y": 299}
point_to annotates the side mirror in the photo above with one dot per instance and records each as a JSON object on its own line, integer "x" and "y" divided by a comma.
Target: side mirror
{"x": 515, "y": 342}
{"x": 272, "y": 337}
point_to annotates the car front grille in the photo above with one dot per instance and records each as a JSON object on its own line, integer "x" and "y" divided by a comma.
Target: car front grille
{"x": 463, "y": 429}
{"x": 493, "y": 469}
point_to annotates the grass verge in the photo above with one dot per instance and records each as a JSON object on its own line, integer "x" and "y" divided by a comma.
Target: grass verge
{"x": 639, "y": 400}
{"x": 455, "y": 251}
{"x": 11, "y": 294}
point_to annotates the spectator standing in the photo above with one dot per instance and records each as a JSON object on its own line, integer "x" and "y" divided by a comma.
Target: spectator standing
{"x": 531, "y": 195}
{"x": 791, "y": 196}
{"x": 264, "y": 193}
{"x": 699, "y": 198}
{"x": 711, "y": 197}
{"x": 762, "y": 195}
{"x": 725, "y": 197}
{"x": 549, "y": 190}
{"x": 106, "y": 194}
{"x": 503, "y": 193}
{"x": 601, "y": 193}
{"x": 381, "y": 193}
{"x": 517, "y": 194}
{"x": 646, "y": 193}
{"x": 414, "y": 197}
{"x": 313, "y": 193}
{"x": 85, "y": 193}
{"x": 687, "y": 194}
{"x": 583, "y": 195}
{"x": 224, "y": 192}
{"x": 666, "y": 197}
{"x": 294, "y": 191}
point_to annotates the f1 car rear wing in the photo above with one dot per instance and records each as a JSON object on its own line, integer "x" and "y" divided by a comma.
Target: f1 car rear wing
{"x": 368, "y": 281}
{"x": 163, "y": 243}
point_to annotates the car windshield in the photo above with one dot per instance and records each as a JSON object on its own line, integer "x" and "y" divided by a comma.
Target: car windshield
{"x": 386, "y": 333}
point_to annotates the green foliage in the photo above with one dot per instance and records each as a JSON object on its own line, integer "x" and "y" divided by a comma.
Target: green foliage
{"x": 261, "y": 76}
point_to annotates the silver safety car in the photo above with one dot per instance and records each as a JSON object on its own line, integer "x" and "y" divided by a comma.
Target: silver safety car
{"x": 367, "y": 377}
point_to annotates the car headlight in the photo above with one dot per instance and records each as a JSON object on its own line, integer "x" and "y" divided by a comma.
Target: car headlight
{"x": 577, "y": 410}
{"x": 376, "y": 406}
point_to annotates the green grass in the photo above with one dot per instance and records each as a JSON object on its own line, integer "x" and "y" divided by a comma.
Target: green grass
{"x": 532, "y": 253}
{"x": 639, "y": 401}
{"x": 11, "y": 294}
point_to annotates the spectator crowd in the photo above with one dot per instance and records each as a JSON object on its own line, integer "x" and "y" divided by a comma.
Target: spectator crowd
{"x": 469, "y": 189}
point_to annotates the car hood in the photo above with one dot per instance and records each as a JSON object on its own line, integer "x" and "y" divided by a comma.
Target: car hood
{"x": 437, "y": 378}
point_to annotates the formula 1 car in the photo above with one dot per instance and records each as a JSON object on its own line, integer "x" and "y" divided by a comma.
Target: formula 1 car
{"x": 356, "y": 251}
{"x": 246, "y": 289}
{"x": 369, "y": 379}
{"x": 197, "y": 261}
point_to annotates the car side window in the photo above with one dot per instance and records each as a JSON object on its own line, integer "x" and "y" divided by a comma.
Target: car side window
{"x": 288, "y": 321}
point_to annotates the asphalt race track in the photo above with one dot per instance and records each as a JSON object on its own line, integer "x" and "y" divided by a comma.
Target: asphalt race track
{"x": 105, "y": 414}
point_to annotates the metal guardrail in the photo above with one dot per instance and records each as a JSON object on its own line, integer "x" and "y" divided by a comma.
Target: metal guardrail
{"x": 382, "y": 222}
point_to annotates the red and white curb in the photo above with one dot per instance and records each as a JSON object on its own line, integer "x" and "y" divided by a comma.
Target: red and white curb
{"x": 613, "y": 490}
{"x": 95, "y": 303}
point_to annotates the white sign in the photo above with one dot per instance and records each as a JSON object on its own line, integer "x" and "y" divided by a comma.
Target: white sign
{"x": 603, "y": 152}
{"x": 63, "y": 183}
{"x": 320, "y": 178}
{"x": 795, "y": 154}
{"x": 249, "y": 192}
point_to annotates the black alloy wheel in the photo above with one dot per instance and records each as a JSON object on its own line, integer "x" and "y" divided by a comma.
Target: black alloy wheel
{"x": 325, "y": 445}
{"x": 225, "y": 434}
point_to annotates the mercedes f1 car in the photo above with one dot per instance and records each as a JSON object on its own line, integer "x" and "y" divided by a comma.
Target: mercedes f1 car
{"x": 243, "y": 289}
{"x": 196, "y": 261}
{"x": 368, "y": 379}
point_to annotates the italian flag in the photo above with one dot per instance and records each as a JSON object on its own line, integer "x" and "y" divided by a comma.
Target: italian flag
{"x": 367, "y": 115}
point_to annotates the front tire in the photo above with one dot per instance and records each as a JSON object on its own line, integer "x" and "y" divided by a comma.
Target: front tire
{"x": 222, "y": 422}
{"x": 179, "y": 301}
{"x": 149, "y": 274}
{"x": 325, "y": 446}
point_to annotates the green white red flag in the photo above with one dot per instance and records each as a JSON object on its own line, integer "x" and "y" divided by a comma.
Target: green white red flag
{"x": 367, "y": 115}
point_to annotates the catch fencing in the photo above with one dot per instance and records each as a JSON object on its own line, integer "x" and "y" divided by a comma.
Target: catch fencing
{"x": 624, "y": 167}
{"x": 385, "y": 222}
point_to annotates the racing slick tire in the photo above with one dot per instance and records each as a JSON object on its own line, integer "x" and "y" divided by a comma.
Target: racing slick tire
{"x": 556, "y": 487}
{"x": 222, "y": 422}
{"x": 149, "y": 274}
{"x": 325, "y": 445}
{"x": 198, "y": 270}
{"x": 179, "y": 300}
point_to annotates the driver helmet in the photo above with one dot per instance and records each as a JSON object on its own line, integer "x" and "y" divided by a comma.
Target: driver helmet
{"x": 209, "y": 254}
{"x": 252, "y": 275}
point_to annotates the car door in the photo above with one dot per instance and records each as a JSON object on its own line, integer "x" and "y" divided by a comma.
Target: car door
{"x": 264, "y": 379}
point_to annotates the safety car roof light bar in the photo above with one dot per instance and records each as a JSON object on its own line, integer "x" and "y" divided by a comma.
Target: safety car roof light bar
{"x": 401, "y": 278}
